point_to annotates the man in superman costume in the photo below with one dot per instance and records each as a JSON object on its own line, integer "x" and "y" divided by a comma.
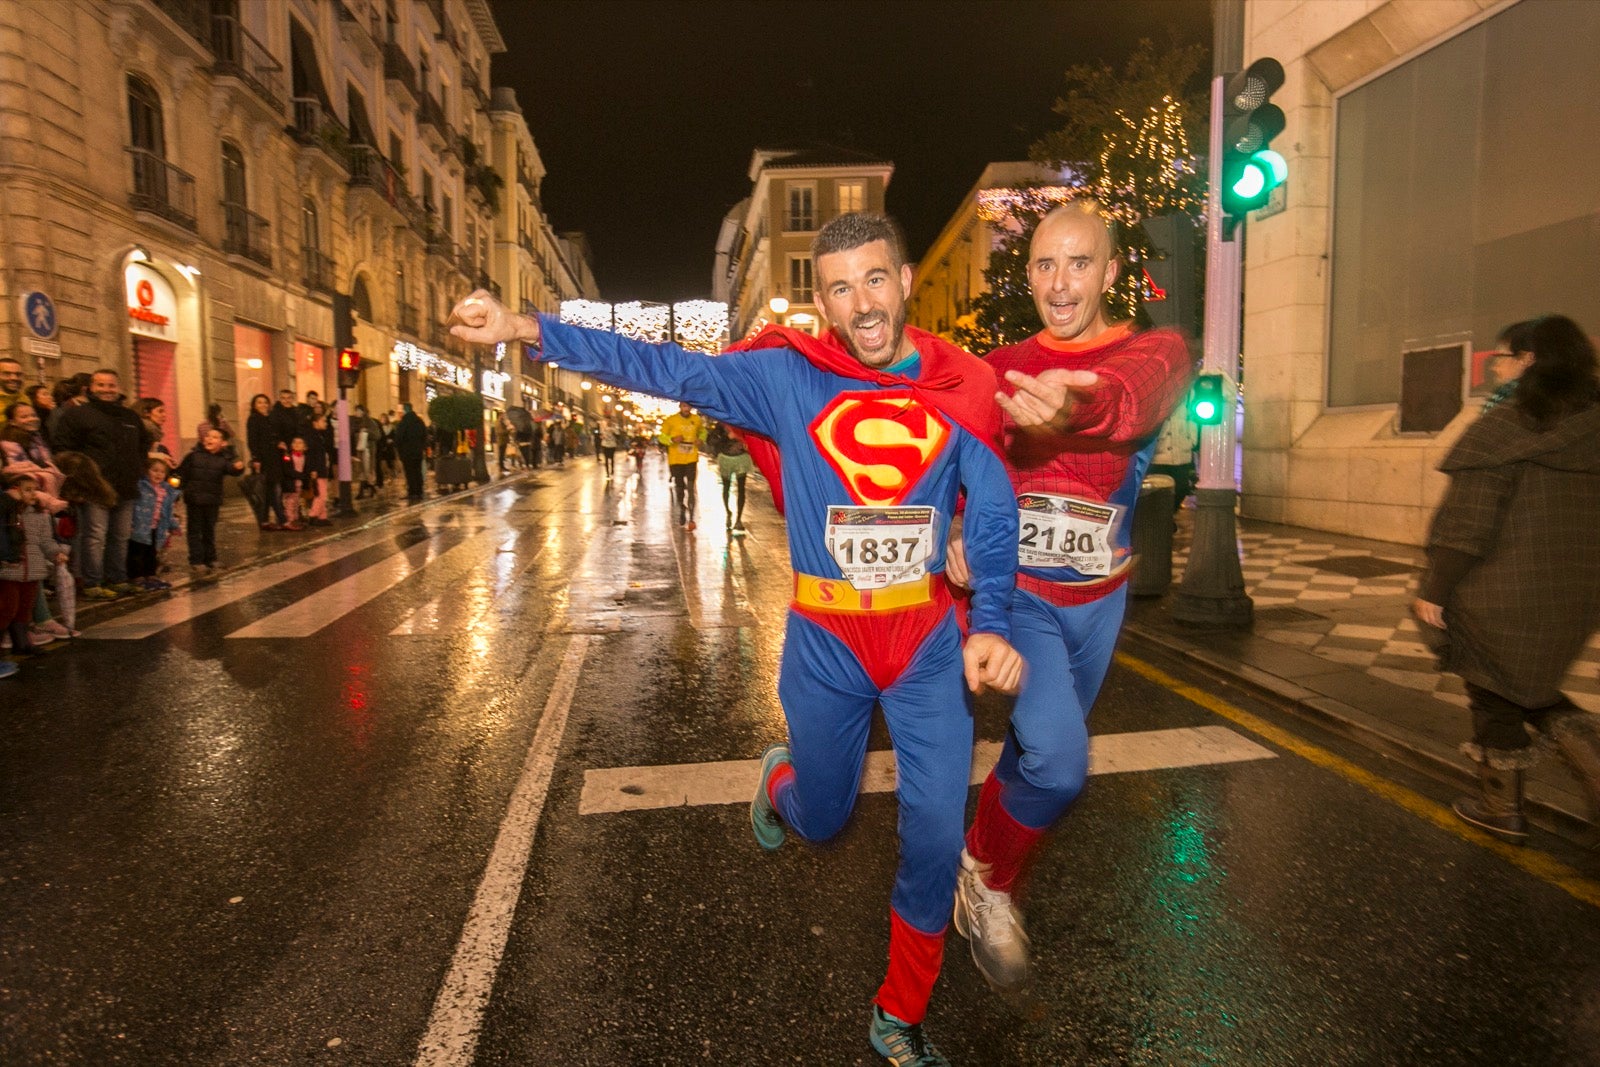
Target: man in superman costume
{"x": 1084, "y": 402}
{"x": 879, "y": 430}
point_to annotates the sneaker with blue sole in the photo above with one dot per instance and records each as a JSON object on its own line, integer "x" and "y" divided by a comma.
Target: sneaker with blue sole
{"x": 903, "y": 1044}
{"x": 764, "y": 818}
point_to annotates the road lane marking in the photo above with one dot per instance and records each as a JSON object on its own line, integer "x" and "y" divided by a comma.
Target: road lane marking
{"x": 1541, "y": 866}
{"x": 203, "y": 599}
{"x": 327, "y": 605}
{"x": 731, "y": 782}
{"x": 451, "y": 1039}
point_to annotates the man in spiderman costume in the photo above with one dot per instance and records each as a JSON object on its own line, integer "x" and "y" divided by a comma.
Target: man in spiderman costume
{"x": 1084, "y": 401}
{"x": 878, "y": 429}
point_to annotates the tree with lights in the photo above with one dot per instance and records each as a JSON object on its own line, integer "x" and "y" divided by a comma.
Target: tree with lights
{"x": 1127, "y": 135}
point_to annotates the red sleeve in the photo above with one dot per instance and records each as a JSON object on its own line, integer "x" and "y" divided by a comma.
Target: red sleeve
{"x": 1140, "y": 384}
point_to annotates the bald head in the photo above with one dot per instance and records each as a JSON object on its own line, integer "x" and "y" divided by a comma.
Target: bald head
{"x": 1070, "y": 267}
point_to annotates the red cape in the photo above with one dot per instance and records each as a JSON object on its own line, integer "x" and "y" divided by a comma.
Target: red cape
{"x": 954, "y": 381}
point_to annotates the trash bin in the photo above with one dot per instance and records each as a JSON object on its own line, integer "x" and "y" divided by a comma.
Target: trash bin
{"x": 1152, "y": 537}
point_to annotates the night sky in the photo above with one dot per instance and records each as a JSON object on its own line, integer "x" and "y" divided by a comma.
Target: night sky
{"x": 646, "y": 111}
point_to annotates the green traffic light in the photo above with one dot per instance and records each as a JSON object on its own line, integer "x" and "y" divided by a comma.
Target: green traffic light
{"x": 1204, "y": 410}
{"x": 1251, "y": 182}
{"x": 1274, "y": 164}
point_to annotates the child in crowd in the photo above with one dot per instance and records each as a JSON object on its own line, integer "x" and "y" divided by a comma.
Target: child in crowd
{"x": 299, "y": 482}
{"x": 202, "y": 475}
{"x": 323, "y": 454}
{"x": 153, "y": 523}
{"x": 28, "y": 551}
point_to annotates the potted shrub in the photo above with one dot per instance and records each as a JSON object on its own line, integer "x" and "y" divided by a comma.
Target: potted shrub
{"x": 457, "y": 419}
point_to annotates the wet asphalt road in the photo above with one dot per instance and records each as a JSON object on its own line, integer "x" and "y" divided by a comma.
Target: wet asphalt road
{"x": 263, "y": 848}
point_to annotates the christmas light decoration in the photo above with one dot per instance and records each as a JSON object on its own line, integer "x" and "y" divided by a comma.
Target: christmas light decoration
{"x": 430, "y": 365}
{"x": 701, "y": 325}
{"x": 594, "y": 314}
{"x": 644, "y": 321}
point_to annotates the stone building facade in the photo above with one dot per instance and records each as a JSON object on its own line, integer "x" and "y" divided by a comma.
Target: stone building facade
{"x": 192, "y": 183}
{"x": 1442, "y": 156}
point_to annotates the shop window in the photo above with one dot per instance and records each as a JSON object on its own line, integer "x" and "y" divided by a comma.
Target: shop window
{"x": 1463, "y": 199}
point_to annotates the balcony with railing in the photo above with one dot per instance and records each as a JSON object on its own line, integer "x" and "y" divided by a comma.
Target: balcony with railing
{"x": 315, "y": 128}
{"x": 358, "y": 25}
{"x": 431, "y": 121}
{"x": 193, "y": 16}
{"x": 483, "y": 281}
{"x": 371, "y": 172}
{"x": 316, "y": 270}
{"x": 161, "y": 188}
{"x": 406, "y": 319}
{"x": 465, "y": 264}
{"x": 244, "y": 233}
{"x": 439, "y": 243}
{"x": 241, "y": 55}
{"x": 474, "y": 85}
{"x": 398, "y": 69}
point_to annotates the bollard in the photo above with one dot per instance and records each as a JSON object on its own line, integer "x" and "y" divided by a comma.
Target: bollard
{"x": 1152, "y": 537}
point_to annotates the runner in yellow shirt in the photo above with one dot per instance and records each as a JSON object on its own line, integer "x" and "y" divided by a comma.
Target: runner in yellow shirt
{"x": 683, "y": 433}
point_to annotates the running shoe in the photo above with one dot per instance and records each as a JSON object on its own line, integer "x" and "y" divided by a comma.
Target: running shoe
{"x": 989, "y": 919}
{"x": 903, "y": 1044}
{"x": 7, "y": 668}
{"x": 38, "y": 635}
{"x": 763, "y": 816}
{"x": 125, "y": 588}
{"x": 98, "y": 592}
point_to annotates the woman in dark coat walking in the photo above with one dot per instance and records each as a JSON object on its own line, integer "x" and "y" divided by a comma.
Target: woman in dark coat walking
{"x": 266, "y": 462}
{"x": 1512, "y": 591}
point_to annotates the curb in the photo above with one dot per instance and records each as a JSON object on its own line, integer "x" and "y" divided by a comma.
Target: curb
{"x": 1553, "y": 806}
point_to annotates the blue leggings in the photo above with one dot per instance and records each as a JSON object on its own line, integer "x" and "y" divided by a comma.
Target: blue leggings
{"x": 828, "y": 700}
{"x": 1045, "y": 758}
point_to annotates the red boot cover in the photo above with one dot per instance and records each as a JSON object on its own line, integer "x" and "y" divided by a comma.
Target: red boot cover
{"x": 999, "y": 840}
{"x": 914, "y": 961}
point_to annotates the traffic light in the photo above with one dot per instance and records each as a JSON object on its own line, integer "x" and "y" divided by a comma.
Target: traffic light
{"x": 349, "y": 368}
{"x": 1250, "y": 168}
{"x": 1207, "y": 399}
{"x": 1168, "y": 289}
{"x": 344, "y": 321}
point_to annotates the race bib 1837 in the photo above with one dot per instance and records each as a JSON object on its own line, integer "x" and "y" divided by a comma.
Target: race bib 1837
{"x": 879, "y": 547}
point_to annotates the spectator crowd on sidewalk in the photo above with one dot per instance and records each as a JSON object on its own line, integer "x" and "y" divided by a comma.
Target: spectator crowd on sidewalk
{"x": 92, "y": 493}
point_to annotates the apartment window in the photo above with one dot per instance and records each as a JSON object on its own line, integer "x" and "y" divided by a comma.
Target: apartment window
{"x": 427, "y": 192}
{"x": 852, "y": 196}
{"x": 448, "y": 213}
{"x": 145, "y": 127}
{"x": 310, "y": 227}
{"x": 234, "y": 193}
{"x": 800, "y": 280}
{"x": 802, "y": 207}
{"x": 397, "y": 149}
{"x": 472, "y": 234}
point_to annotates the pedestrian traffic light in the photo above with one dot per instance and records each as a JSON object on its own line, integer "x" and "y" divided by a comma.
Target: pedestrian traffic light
{"x": 344, "y": 321}
{"x": 1206, "y": 400}
{"x": 1250, "y": 168}
{"x": 349, "y": 368}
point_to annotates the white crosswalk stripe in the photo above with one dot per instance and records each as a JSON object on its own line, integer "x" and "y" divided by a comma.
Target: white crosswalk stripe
{"x": 309, "y": 614}
{"x": 732, "y": 782}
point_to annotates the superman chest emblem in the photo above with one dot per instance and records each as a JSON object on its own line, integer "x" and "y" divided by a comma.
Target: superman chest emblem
{"x": 880, "y": 444}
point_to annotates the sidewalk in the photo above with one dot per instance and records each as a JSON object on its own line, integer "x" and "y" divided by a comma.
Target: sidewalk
{"x": 242, "y": 543}
{"x": 1334, "y": 636}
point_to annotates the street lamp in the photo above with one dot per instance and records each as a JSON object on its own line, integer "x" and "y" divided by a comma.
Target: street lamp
{"x": 778, "y": 305}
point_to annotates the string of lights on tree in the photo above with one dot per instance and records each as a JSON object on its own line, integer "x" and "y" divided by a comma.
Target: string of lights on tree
{"x": 1145, "y": 167}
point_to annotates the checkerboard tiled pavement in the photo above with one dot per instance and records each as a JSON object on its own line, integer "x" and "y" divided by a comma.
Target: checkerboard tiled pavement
{"x": 1348, "y": 601}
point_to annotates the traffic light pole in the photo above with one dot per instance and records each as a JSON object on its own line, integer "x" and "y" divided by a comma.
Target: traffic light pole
{"x": 345, "y": 508}
{"x": 1211, "y": 592}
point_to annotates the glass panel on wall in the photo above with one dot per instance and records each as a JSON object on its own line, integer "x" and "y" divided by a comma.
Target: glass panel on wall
{"x": 1465, "y": 195}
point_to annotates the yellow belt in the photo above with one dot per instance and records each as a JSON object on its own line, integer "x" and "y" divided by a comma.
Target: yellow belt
{"x": 836, "y": 594}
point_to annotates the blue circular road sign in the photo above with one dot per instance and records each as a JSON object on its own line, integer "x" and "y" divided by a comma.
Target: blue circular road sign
{"x": 39, "y": 313}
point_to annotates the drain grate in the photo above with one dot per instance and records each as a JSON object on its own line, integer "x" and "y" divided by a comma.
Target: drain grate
{"x": 1362, "y": 566}
{"x": 1286, "y": 614}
